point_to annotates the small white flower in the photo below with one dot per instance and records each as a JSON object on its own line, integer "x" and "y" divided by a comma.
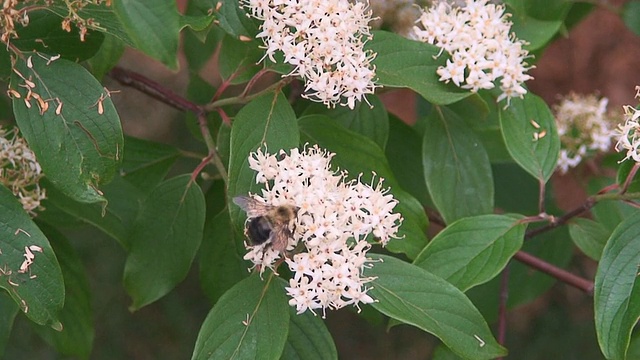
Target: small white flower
{"x": 629, "y": 132}
{"x": 585, "y": 128}
{"x": 324, "y": 41}
{"x": 20, "y": 171}
{"x": 483, "y": 50}
{"x": 327, "y": 252}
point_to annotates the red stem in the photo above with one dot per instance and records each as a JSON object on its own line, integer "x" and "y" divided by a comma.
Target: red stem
{"x": 555, "y": 272}
{"x": 153, "y": 89}
{"x": 629, "y": 178}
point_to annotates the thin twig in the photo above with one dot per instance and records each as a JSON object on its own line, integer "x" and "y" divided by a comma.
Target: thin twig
{"x": 555, "y": 272}
{"x": 541, "y": 195}
{"x": 537, "y": 263}
{"x": 586, "y": 206}
{"x": 164, "y": 95}
{"x": 153, "y": 89}
{"x": 589, "y": 203}
{"x": 243, "y": 99}
{"x": 629, "y": 178}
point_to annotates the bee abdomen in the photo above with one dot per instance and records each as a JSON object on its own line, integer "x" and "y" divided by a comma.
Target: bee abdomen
{"x": 259, "y": 230}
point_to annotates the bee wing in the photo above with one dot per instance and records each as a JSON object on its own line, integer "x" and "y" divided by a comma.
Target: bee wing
{"x": 280, "y": 238}
{"x": 252, "y": 207}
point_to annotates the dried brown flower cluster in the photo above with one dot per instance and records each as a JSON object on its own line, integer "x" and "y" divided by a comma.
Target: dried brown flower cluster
{"x": 82, "y": 24}
{"x": 9, "y": 17}
{"x": 19, "y": 170}
{"x": 17, "y": 12}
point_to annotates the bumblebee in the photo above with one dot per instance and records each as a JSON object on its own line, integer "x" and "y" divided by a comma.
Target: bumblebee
{"x": 267, "y": 223}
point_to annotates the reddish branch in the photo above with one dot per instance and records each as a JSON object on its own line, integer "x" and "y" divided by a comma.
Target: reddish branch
{"x": 537, "y": 263}
{"x": 556, "y": 272}
{"x": 153, "y": 89}
{"x": 164, "y": 95}
{"x": 562, "y": 220}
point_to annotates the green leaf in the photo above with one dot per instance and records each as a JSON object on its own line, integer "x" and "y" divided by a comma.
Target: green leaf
{"x": 44, "y": 34}
{"x": 630, "y": 11}
{"x": 115, "y": 219}
{"x": 223, "y": 142}
{"x": 519, "y": 122}
{"x": 76, "y": 316}
{"x": 107, "y": 56}
{"x": 55, "y": 216}
{"x": 444, "y": 353}
{"x": 164, "y": 240}
{"x": 634, "y": 346}
{"x": 199, "y": 52}
{"x": 268, "y": 120}
{"x": 401, "y": 62}
{"x": 624, "y": 169}
{"x": 359, "y": 155}
{"x": 80, "y": 148}
{"x": 609, "y": 213}
{"x": 541, "y": 9}
{"x": 538, "y": 21}
{"x": 146, "y": 163}
{"x": 200, "y": 91}
{"x": 102, "y": 15}
{"x": 5, "y": 67}
{"x": 250, "y": 321}
{"x": 415, "y": 296}
{"x": 617, "y": 289}
{"x": 577, "y": 13}
{"x": 197, "y": 23}
{"x": 472, "y": 251}
{"x": 456, "y": 167}
{"x": 536, "y": 32}
{"x": 404, "y": 152}
{"x": 221, "y": 263}
{"x": 413, "y": 230}
{"x": 475, "y": 109}
{"x": 39, "y": 288}
{"x": 216, "y": 198}
{"x": 525, "y": 284}
{"x": 7, "y": 316}
{"x": 480, "y": 113}
{"x": 371, "y": 121}
{"x": 238, "y": 59}
{"x": 308, "y": 338}
{"x": 519, "y": 192}
{"x": 152, "y": 26}
{"x": 234, "y": 20}
{"x": 589, "y": 236}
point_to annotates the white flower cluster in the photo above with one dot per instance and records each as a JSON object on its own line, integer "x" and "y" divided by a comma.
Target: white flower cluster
{"x": 629, "y": 132}
{"x": 482, "y": 49}
{"x": 19, "y": 170}
{"x": 584, "y": 126}
{"x": 324, "y": 42}
{"x": 334, "y": 218}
